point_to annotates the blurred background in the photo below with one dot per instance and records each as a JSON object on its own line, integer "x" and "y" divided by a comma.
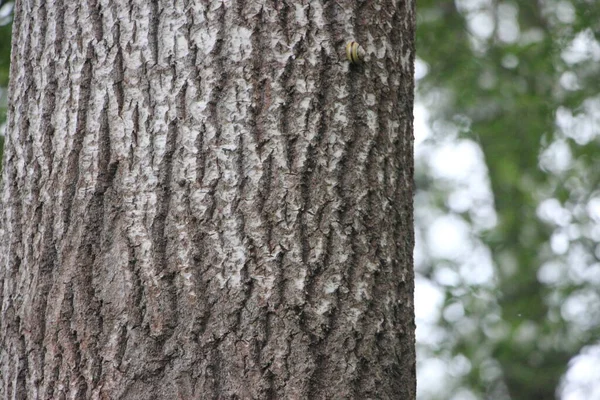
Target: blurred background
{"x": 507, "y": 215}
{"x": 507, "y": 206}
{"x": 5, "y": 31}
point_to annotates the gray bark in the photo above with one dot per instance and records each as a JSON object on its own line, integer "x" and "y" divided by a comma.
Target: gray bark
{"x": 206, "y": 200}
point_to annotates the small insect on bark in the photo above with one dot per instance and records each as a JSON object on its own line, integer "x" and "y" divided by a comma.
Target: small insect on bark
{"x": 355, "y": 53}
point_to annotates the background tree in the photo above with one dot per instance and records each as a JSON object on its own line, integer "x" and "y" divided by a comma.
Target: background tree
{"x": 206, "y": 200}
{"x": 516, "y": 84}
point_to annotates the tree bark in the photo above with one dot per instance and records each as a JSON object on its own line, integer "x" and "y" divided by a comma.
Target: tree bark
{"x": 207, "y": 200}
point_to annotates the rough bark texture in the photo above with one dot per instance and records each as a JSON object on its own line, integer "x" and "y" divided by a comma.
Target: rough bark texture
{"x": 206, "y": 200}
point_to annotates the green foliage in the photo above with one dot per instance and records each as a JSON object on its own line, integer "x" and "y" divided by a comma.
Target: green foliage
{"x": 505, "y": 67}
{"x": 5, "y": 43}
{"x": 5, "y": 46}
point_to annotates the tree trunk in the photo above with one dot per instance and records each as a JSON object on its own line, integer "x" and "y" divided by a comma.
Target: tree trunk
{"x": 207, "y": 200}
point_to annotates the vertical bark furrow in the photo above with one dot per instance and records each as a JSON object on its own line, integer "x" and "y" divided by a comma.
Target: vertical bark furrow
{"x": 153, "y": 30}
{"x": 67, "y": 342}
{"x": 307, "y": 179}
{"x": 164, "y": 312}
{"x": 88, "y": 325}
{"x": 106, "y": 171}
{"x": 72, "y": 167}
{"x": 52, "y": 377}
{"x": 260, "y": 94}
{"x": 96, "y": 17}
{"x": 47, "y": 125}
{"x": 42, "y": 21}
{"x": 258, "y": 230}
{"x": 264, "y": 189}
{"x": 36, "y": 321}
{"x": 219, "y": 80}
{"x": 118, "y": 74}
{"x": 201, "y": 155}
{"x": 23, "y": 371}
{"x": 59, "y": 26}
